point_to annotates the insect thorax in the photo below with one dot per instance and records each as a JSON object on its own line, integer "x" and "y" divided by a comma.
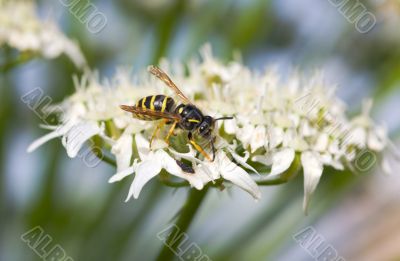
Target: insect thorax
{"x": 191, "y": 116}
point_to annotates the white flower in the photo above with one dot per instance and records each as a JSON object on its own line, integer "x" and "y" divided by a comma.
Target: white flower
{"x": 275, "y": 137}
{"x": 286, "y": 125}
{"x": 122, "y": 149}
{"x": 312, "y": 168}
{"x": 20, "y": 28}
{"x": 223, "y": 167}
{"x": 281, "y": 160}
{"x": 72, "y": 134}
{"x": 150, "y": 165}
{"x": 214, "y": 72}
{"x": 153, "y": 161}
{"x": 365, "y": 133}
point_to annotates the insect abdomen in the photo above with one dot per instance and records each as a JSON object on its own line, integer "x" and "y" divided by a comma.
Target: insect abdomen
{"x": 159, "y": 103}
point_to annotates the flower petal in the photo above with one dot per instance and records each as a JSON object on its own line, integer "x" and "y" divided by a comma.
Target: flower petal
{"x": 275, "y": 135}
{"x": 245, "y": 134}
{"x": 122, "y": 174}
{"x": 230, "y": 126}
{"x": 263, "y": 159}
{"x": 306, "y": 130}
{"x": 122, "y": 150}
{"x": 78, "y": 135}
{"x": 238, "y": 176}
{"x": 358, "y": 137}
{"x": 258, "y": 138}
{"x": 191, "y": 155}
{"x": 312, "y": 168}
{"x": 39, "y": 142}
{"x": 143, "y": 146}
{"x": 206, "y": 173}
{"x": 145, "y": 171}
{"x": 169, "y": 164}
{"x": 322, "y": 142}
{"x": 377, "y": 139}
{"x": 243, "y": 160}
{"x": 281, "y": 161}
{"x": 327, "y": 159}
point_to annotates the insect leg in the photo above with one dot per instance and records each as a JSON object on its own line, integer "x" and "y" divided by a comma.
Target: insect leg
{"x": 171, "y": 130}
{"x": 198, "y": 147}
{"x": 213, "y": 148}
{"x": 155, "y": 133}
{"x": 184, "y": 167}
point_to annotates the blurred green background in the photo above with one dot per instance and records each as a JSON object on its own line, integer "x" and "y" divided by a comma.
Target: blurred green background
{"x": 357, "y": 214}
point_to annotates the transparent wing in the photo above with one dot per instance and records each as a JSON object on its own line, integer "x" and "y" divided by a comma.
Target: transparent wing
{"x": 160, "y": 74}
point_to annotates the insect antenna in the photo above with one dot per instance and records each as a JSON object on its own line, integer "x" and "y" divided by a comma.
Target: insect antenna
{"x": 224, "y": 118}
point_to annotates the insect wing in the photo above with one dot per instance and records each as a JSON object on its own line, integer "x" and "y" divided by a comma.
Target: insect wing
{"x": 160, "y": 74}
{"x": 151, "y": 113}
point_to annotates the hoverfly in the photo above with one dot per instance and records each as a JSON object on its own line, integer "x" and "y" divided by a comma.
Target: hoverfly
{"x": 185, "y": 115}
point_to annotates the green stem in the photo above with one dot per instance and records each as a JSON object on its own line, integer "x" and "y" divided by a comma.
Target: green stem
{"x": 101, "y": 156}
{"x": 173, "y": 184}
{"x": 108, "y": 160}
{"x": 188, "y": 212}
{"x": 277, "y": 181}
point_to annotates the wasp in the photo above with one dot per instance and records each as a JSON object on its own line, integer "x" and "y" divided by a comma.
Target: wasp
{"x": 185, "y": 115}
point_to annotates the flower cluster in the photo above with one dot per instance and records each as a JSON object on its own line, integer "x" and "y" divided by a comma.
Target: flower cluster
{"x": 20, "y": 28}
{"x": 280, "y": 127}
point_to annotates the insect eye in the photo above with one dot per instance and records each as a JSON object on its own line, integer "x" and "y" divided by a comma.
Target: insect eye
{"x": 203, "y": 128}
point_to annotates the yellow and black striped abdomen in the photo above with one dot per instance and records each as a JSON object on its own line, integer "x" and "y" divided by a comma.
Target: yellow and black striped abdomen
{"x": 160, "y": 103}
